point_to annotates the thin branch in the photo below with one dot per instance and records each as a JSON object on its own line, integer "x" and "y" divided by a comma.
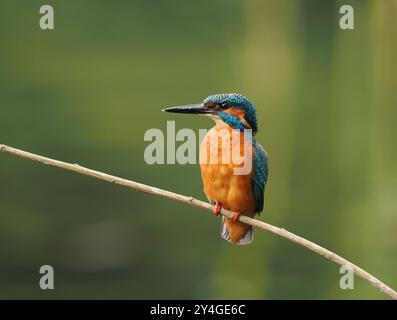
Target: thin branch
{"x": 203, "y": 205}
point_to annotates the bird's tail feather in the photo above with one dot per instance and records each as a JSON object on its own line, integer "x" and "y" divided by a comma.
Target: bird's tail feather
{"x": 236, "y": 232}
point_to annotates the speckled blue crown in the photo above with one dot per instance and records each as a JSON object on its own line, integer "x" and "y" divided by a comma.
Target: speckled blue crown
{"x": 237, "y": 100}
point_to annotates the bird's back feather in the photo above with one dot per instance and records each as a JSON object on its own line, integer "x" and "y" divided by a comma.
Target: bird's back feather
{"x": 259, "y": 177}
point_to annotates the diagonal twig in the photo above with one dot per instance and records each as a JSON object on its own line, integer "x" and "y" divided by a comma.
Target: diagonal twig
{"x": 203, "y": 205}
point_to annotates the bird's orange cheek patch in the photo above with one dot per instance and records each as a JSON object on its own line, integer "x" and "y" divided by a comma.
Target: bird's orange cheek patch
{"x": 239, "y": 114}
{"x": 236, "y": 112}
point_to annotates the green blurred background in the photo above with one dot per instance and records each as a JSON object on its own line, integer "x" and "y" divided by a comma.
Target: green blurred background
{"x": 87, "y": 91}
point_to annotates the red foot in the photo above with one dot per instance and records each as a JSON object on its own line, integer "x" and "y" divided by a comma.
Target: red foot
{"x": 235, "y": 216}
{"x": 217, "y": 209}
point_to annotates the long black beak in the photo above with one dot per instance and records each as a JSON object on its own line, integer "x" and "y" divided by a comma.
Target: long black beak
{"x": 191, "y": 108}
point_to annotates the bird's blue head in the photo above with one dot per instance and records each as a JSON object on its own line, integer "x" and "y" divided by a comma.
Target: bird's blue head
{"x": 231, "y": 108}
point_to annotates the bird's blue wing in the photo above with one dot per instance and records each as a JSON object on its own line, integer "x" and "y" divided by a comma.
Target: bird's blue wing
{"x": 259, "y": 176}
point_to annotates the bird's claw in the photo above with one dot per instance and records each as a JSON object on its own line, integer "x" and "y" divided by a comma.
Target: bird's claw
{"x": 236, "y": 215}
{"x": 217, "y": 209}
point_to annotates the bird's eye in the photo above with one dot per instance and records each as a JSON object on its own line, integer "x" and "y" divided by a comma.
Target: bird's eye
{"x": 224, "y": 105}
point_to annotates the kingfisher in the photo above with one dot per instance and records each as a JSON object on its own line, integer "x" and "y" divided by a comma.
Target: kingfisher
{"x": 241, "y": 192}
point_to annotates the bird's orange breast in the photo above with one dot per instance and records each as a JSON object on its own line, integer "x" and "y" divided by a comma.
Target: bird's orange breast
{"x": 218, "y": 162}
